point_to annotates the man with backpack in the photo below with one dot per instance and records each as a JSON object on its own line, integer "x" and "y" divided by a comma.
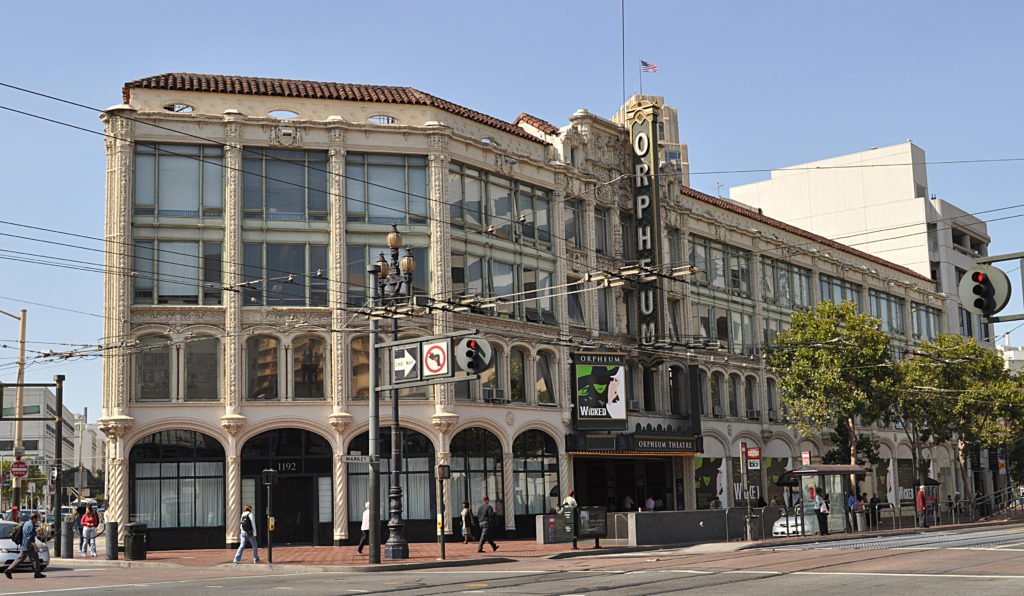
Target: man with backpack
{"x": 487, "y": 522}
{"x": 248, "y": 527}
{"x": 28, "y": 546}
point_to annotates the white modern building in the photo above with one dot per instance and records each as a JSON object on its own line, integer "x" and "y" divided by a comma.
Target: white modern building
{"x": 878, "y": 201}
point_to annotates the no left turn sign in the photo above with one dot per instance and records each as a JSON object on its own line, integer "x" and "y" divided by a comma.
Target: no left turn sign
{"x": 435, "y": 359}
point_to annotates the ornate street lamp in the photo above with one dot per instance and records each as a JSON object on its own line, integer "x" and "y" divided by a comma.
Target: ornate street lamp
{"x": 394, "y": 282}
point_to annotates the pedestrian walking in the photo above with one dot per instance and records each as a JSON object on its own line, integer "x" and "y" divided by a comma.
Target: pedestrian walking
{"x": 364, "y": 538}
{"x": 79, "y": 512}
{"x": 28, "y": 547}
{"x": 467, "y": 523}
{"x": 90, "y": 521}
{"x": 248, "y": 526}
{"x": 488, "y": 519}
{"x": 922, "y": 508}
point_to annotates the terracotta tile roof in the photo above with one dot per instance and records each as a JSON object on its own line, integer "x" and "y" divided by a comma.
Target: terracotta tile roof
{"x": 181, "y": 81}
{"x": 750, "y": 213}
{"x": 542, "y": 125}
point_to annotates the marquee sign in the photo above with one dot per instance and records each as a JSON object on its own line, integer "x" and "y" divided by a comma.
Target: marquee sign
{"x": 643, "y": 119}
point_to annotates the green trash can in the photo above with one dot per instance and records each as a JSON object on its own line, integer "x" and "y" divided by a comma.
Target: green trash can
{"x": 135, "y": 542}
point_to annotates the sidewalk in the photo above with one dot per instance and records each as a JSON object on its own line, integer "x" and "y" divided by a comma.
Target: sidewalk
{"x": 344, "y": 558}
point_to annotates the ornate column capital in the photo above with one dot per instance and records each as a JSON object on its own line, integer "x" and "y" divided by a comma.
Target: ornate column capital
{"x": 444, "y": 421}
{"x": 339, "y": 421}
{"x": 232, "y": 423}
{"x": 114, "y": 427}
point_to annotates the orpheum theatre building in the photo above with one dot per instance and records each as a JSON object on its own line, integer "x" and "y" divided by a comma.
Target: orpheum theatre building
{"x": 627, "y": 310}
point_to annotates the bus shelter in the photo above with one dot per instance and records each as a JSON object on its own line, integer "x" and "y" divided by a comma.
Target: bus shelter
{"x": 827, "y": 480}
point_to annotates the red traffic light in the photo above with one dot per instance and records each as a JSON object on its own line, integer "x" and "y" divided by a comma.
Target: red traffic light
{"x": 978, "y": 277}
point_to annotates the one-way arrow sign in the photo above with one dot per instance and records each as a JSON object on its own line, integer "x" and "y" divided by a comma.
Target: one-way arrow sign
{"x": 405, "y": 364}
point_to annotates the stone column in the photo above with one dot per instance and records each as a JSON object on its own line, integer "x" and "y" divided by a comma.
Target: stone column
{"x": 117, "y": 493}
{"x": 689, "y": 485}
{"x": 443, "y": 455}
{"x": 589, "y": 296}
{"x": 509, "y": 489}
{"x": 233, "y": 504}
{"x": 340, "y": 500}
{"x": 337, "y": 271}
{"x": 233, "y": 381}
{"x": 451, "y": 507}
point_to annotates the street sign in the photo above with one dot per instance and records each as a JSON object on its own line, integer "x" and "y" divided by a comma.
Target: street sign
{"x": 86, "y": 491}
{"x": 355, "y": 459}
{"x": 31, "y": 487}
{"x": 405, "y": 364}
{"x": 19, "y": 469}
{"x": 436, "y": 357}
{"x": 753, "y": 464}
{"x": 806, "y": 458}
{"x": 41, "y": 462}
{"x": 753, "y": 453}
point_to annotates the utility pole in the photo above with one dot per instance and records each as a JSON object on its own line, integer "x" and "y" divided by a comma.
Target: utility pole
{"x": 19, "y": 407}
{"x": 81, "y": 436}
{"x": 374, "y": 485}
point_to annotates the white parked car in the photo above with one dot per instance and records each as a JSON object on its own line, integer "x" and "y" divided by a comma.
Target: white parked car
{"x": 10, "y": 551}
{"x": 792, "y": 525}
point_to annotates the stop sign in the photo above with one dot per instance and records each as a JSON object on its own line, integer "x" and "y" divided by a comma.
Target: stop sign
{"x": 19, "y": 469}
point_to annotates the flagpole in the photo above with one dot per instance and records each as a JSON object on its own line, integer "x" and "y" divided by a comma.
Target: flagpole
{"x": 641, "y": 77}
{"x": 623, "y": 4}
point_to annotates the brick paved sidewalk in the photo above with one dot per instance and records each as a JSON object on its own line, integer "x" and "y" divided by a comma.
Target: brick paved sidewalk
{"x": 420, "y": 554}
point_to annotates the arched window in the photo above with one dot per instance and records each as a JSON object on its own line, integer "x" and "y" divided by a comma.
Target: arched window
{"x": 416, "y": 477}
{"x": 152, "y": 364}
{"x": 545, "y": 388}
{"x": 517, "y": 376}
{"x": 261, "y": 367}
{"x": 734, "y": 394}
{"x": 650, "y": 384}
{"x": 177, "y": 481}
{"x": 772, "y": 397}
{"x": 202, "y": 369}
{"x": 308, "y": 367}
{"x": 359, "y": 364}
{"x": 750, "y": 398}
{"x": 677, "y": 390}
{"x": 703, "y": 389}
{"x": 535, "y": 472}
{"x": 476, "y": 467}
{"x": 717, "y": 393}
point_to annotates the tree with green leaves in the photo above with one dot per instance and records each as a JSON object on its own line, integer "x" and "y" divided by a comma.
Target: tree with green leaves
{"x": 954, "y": 388}
{"x": 831, "y": 363}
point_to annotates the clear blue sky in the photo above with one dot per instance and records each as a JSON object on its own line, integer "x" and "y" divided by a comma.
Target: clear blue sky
{"x": 758, "y": 86}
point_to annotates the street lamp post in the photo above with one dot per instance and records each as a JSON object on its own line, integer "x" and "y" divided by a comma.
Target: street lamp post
{"x": 19, "y": 448}
{"x": 394, "y": 282}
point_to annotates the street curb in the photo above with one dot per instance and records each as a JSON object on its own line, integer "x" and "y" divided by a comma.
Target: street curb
{"x": 615, "y": 550}
{"x": 279, "y": 567}
{"x": 976, "y": 527}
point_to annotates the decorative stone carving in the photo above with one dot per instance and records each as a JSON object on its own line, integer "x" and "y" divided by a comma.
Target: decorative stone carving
{"x": 232, "y": 508}
{"x": 510, "y": 418}
{"x": 232, "y": 130}
{"x": 341, "y": 499}
{"x": 336, "y": 135}
{"x": 444, "y": 421}
{"x": 114, "y": 427}
{"x": 232, "y": 423}
{"x": 285, "y": 135}
{"x": 339, "y": 421}
{"x": 438, "y": 142}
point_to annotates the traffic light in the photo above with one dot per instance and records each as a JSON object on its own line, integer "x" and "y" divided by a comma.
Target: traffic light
{"x": 474, "y": 355}
{"x": 984, "y": 290}
{"x": 53, "y": 474}
{"x": 444, "y": 471}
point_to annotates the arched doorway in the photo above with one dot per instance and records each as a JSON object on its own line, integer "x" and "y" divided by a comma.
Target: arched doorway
{"x": 477, "y": 470}
{"x": 535, "y": 479}
{"x": 303, "y": 499}
{"x": 419, "y": 504}
{"x": 176, "y": 488}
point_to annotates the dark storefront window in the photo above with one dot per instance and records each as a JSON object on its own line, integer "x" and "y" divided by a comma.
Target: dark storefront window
{"x": 477, "y": 468}
{"x": 417, "y": 475}
{"x": 535, "y": 470}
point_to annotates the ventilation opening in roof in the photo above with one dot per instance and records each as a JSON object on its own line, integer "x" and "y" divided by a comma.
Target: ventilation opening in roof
{"x": 282, "y": 114}
{"x": 383, "y": 119}
{"x": 182, "y": 108}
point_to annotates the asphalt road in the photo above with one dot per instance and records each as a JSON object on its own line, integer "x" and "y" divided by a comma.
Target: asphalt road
{"x": 981, "y": 562}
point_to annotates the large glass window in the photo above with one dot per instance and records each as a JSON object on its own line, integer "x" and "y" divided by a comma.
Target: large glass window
{"x": 785, "y": 284}
{"x": 545, "y": 388}
{"x": 574, "y": 298}
{"x": 602, "y": 237}
{"x": 416, "y": 477}
{"x": 476, "y": 466}
{"x": 308, "y": 367}
{"x": 720, "y": 266}
{"x": 522, "y": 292}
{"x": 285, "y": 274}
{"x": 889, "y": 309}
{"x": 177, "y": 272}
{"x": 202, "y": 369}
{"x": 359, "y": 363}
{"x": 750, "y": 398}
{"x": 771, "y": 395}
{"x": 677, "y": 391}
{"x": 261, "y": 367}
{"x": 836, "y": 290}
{"x": 517, "y": 375}
{"x": 535, "y": 473}
{"x": 151, "y": 362}
{"x": 734, "y": 394}
{"x": 179, "y": 180}
{"x": 177, "y": 480}
{"x": 507, "y": 209}
{"x": 717, "y": 394}
{"x": 927, "y": 321}
{"x": 386, "y": 188}
{"x": 284, "y": 185}
{"x": 573, "y": 224}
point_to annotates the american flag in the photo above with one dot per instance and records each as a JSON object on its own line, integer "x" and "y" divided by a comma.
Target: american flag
{"x": 648, "y": 67}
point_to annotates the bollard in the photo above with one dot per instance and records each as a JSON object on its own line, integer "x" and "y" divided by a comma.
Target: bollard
{"x": 67, "y": 540}
{"x": 111, "y": 534}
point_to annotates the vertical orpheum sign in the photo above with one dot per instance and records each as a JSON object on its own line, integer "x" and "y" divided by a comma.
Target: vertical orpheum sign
{"x": 642, "y": 118}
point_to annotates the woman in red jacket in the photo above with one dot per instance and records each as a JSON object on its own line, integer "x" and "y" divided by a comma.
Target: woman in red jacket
{"x": 89, "y": 522}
